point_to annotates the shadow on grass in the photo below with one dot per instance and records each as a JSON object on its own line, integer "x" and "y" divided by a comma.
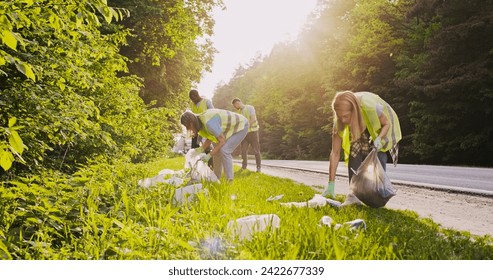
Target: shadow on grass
{"x": 389, "y": 234}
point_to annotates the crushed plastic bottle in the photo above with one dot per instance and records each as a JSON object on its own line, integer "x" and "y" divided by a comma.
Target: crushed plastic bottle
{"x": 356, "y": 224}
{"x": 245, "y": 227}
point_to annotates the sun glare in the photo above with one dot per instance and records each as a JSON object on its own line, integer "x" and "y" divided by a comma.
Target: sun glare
{"x": 248, "y": 28}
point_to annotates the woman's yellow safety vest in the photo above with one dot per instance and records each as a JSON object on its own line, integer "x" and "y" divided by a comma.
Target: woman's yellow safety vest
{"x": 246, "y": 112}
{"x": 368, "y": 102}
{"x": 230, "y": 123}
{"x": 201, "y": 108}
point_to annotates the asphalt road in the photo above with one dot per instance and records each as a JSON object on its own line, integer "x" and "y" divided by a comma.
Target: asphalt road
{"x": 461, "y": 179}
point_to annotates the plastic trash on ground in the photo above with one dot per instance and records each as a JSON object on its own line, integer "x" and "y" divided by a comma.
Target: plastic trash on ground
{"x": 199, "y": 170}
{"x": 326, "y": 220}
{"x": 317, "y": 201}
{"x": 353, "y": 225}
{"x": 245, "y": 227}
{"x": 370, "y": 184}
{"x": 179, "y": 146}
{"x": 356, "y": 224}
{"x": 174, "y": 180}
{"x": 170, "y": 172}
{"x": 274, "y": 198}
{"x": 351, "y": 199}
{"x": 186, "y": 193}
{"x": 334, "y": 203}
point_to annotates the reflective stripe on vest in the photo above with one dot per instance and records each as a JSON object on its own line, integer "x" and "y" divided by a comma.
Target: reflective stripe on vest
{"x": 368, "y": 102}
{"x": 246, "y": 112}
{"x": 201, "y": 108}
{"x": 230, "y": 123}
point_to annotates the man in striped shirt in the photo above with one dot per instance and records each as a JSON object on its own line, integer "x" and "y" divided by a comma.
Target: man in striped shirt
{"x": 223, "y": 128}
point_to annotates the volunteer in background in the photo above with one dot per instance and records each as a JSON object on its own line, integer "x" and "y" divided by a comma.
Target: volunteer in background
{"x": 252, "y": 137}
{"x": 199, "y": 105}
{"x": 223, "y": 128}
{"x": 359, "y": 118}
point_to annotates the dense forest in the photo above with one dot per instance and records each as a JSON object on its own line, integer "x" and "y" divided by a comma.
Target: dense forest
{"x": 97, "y": 81}
{"x": 431, "y": 60}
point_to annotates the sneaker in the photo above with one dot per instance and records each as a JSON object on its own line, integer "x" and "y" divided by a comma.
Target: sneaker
{"x": 258, "y": 169}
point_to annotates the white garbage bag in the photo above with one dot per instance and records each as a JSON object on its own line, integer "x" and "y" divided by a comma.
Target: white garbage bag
{"x": 245, "y": 227}
{"x": 199, "y": 170}
{"x": 175, "y": 180}
{"x": 179, "y": 146}
{"x": 371, "y": 184}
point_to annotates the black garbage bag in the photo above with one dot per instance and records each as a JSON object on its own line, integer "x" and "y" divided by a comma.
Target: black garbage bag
{"x": 371, "y": 184}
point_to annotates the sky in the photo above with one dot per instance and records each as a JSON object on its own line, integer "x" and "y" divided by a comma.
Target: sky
{"x": 247, "y": 28}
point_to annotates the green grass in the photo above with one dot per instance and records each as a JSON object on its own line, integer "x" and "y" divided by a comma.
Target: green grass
{"x": 101, "y": 213}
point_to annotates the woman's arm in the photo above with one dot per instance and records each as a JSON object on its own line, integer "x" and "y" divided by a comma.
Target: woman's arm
{"x": 335, "y": 155}
{"x": 385, "y": 126}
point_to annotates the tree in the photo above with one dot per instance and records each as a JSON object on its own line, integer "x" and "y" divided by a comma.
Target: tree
{"x": 453, "y": 83}
{"x": 164, "y": 49}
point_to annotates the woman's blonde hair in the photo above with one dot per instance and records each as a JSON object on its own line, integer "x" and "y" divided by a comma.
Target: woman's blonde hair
{"x": 346, "y": 100}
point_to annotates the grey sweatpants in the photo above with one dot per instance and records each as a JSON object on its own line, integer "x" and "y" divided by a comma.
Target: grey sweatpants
{"x": 224, "y": 159}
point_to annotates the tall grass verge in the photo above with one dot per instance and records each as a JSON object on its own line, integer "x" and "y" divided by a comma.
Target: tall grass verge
{"x": 101, "y": 213}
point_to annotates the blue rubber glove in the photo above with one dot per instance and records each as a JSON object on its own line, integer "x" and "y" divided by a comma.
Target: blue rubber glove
{"x": 205, "y": 158}
{"x": 377, "y": 143}
{"x": 330, "y": 190}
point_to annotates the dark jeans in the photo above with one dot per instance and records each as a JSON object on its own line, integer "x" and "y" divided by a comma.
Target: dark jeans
{"x": 355, "y": 162}
{"x": 250, "y": 139}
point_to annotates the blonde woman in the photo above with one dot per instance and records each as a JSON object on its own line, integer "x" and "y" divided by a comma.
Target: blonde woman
{"x": 361, "y": 119}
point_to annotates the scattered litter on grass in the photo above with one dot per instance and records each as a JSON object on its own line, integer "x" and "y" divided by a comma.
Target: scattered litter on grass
{"x": 187, "y": 193}
{"x": 180, "y": 144}
{"x": 199, "y": 170}
{"x": 317, "y": 201}
{"x": 353, "y": 225}
{"x": 175, "y": 179}
{"x": 351, "y": 199}
{"x": 274, "y": 198}
{"x": 212, "y": 248}
{"x": 334, "y": 203}
{"x": 245, "y": 227}
{"x": 326, "y": 220}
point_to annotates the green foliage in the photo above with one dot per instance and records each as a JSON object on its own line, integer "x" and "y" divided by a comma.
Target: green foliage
{"x": 101, "y": 213}
{"x": 66, "y": 54}
{"x": 12, "y": 146}
{"x": 453, "y": 91}
{"x": 63, "y": 78}
{"x": 164, "y": 48}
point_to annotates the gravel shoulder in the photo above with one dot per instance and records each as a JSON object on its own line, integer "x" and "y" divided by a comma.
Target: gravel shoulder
{"x": 464, "y": 212}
